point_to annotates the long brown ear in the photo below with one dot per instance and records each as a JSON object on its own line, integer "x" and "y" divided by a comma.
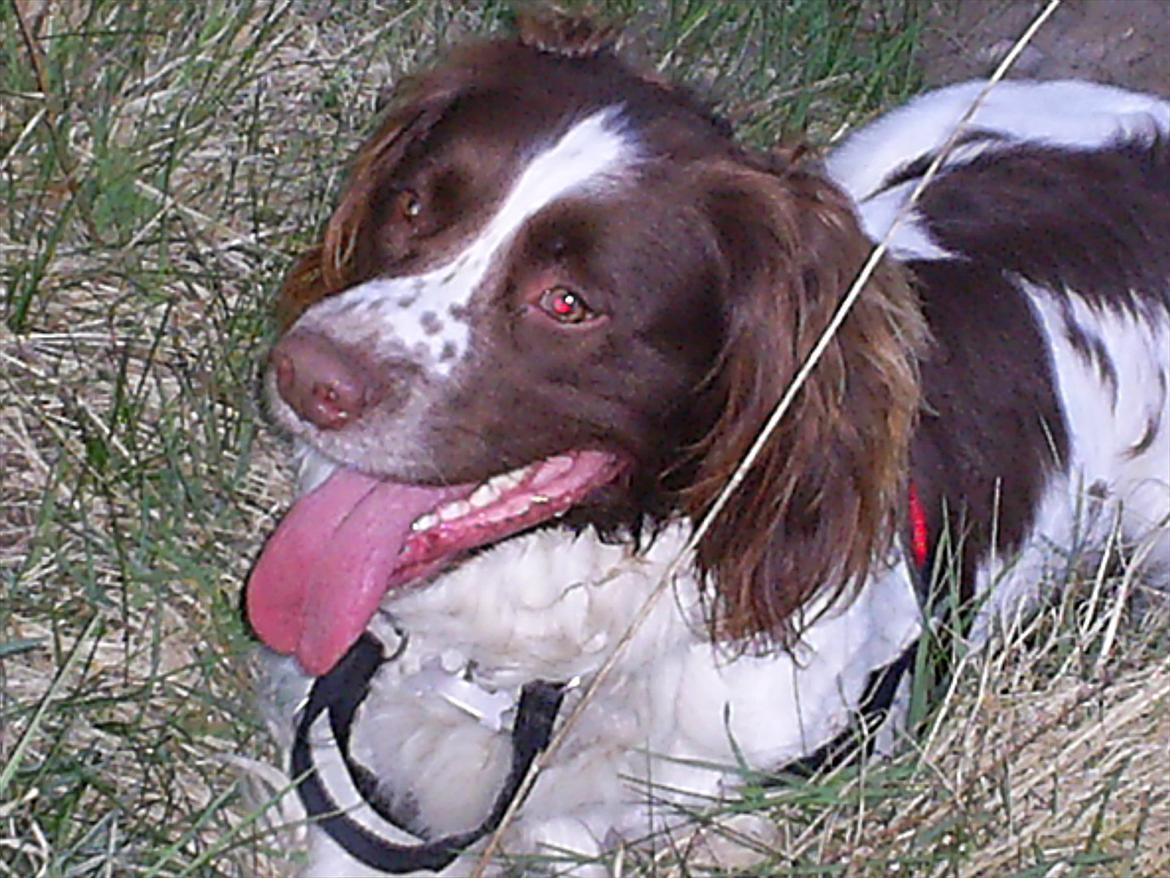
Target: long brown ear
{"x": 823, "y": 498}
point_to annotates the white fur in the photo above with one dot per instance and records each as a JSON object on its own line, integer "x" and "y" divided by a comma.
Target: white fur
{"x": 663, "y": 733}
{"x": 1068, "y": 114}
{"x": 909, "y": 240}
{"x": 1110, "y": 484}
{"x": 427, "y": 315}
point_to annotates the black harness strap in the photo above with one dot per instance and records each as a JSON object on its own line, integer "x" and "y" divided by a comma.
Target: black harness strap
{"x": 880, "y": 690}
{"x": 340, "y": 692}
{"x": 882, "y": 685}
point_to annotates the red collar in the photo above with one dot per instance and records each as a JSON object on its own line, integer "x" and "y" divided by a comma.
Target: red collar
{"x": 919, "y": 535}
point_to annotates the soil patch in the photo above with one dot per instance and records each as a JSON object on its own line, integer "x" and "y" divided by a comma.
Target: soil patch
{"x": 1121, "y": 42}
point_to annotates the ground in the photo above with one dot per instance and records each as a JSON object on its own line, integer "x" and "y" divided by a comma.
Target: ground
{"x": 1123, "y": 42}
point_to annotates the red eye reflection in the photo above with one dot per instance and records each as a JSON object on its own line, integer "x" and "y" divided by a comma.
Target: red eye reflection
{"x": 565, "y": 306}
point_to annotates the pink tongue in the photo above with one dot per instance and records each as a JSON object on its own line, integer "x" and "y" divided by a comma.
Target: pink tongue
{"x": 324, "y": 571}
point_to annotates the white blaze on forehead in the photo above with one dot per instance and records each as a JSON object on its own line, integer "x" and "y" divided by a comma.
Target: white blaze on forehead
{"x": 425, "y": 315}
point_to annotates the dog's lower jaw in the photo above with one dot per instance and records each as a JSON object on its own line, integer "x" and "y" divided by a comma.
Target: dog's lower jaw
{"x": 552, "y": 606}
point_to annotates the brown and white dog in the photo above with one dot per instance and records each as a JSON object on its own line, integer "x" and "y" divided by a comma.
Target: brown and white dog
{"x": 551, "y": 313}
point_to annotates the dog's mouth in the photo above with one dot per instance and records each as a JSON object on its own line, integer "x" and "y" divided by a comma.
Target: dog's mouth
{"x": 345, "y": 545}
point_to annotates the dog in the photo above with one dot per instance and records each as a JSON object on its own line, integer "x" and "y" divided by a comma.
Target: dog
{"x": 555, "y": 307}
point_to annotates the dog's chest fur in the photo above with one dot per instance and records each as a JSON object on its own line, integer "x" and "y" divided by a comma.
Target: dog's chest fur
{"x": 550, "y": 606}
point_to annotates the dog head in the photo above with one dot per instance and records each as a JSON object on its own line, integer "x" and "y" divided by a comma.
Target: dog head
{"x": 555, "y": 287}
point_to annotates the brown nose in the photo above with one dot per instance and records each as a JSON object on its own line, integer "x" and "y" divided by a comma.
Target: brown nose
{"x": 324, "y": 384}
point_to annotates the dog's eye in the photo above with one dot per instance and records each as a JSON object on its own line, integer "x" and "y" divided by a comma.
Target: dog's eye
{"x": 408, "y": 204}
{"x": 565, "y": 306}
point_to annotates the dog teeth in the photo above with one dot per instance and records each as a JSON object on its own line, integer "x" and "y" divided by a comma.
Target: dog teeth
{"x": 493, "y": 490}
{"x": 484, "y": 495}
{"x": 452, "y": 661}
{"x": 313, "y": 468}
{"x": 495, "y": 487}
{"x": 424, "y": 522}
{"x": 451, "y": 511}
{"x": 507, "y": 481}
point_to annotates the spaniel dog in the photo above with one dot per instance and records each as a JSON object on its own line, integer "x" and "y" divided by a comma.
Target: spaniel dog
{"x": 551, "y": 315}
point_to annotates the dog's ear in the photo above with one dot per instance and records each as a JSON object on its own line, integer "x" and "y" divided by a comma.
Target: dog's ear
{"x": 824, "y": 496}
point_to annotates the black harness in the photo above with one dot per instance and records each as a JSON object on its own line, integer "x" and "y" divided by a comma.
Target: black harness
{"x": 343, "y": 689}
{"x": 340, "y": 692}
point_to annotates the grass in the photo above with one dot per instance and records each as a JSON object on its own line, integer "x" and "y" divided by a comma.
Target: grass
{"x": 160, "y": 166}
